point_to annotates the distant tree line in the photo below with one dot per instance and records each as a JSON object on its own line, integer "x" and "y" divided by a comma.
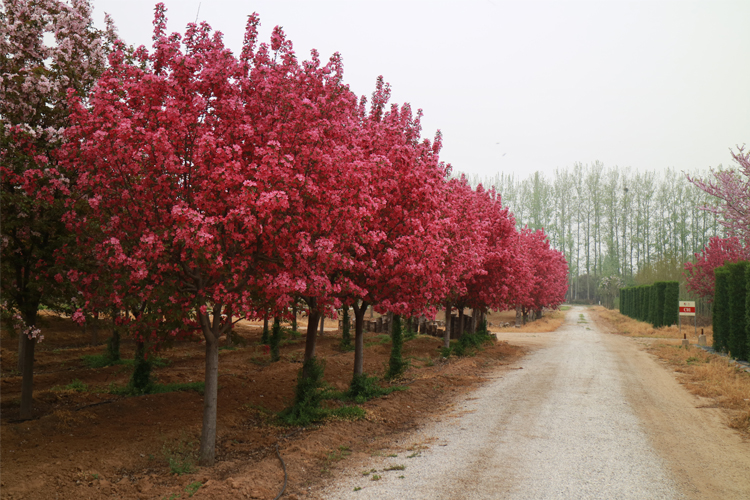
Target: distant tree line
{"x": 611, "y": 221}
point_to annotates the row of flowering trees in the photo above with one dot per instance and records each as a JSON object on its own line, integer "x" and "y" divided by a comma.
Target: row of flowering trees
{"x": 204, "y": 188}
{"x": 732, "y": 188}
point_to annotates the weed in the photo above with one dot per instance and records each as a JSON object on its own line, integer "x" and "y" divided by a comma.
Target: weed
{"x": 102, "y": 360}
{"x": 156, "y": 388}
{"x": 357, "y": 488}
{"x": 173, "y": 496}
{"x": 375, "y": 477}
{"x": 368, "y": 472}
{"x": 381, "y": 339}
{"x": 395, "y": 467}
{"x": 180, "y": 456}
{"x": 191, "y": 488}
{"x": 363, "y": 388}
{"x": 415, "y": 454}
{"x": 75, "y": 386}
{"x": 467, "y": 344}
{"x": 338, "y": 455}
{"x": 401, "y": 477}
{"x": 392, "y": 455}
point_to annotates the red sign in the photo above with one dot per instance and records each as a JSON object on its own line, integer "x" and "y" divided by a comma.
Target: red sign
{"x": 687, "y": 308}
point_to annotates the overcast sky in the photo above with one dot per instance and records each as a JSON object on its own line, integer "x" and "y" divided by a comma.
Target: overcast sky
{"x": 517, "y": 86}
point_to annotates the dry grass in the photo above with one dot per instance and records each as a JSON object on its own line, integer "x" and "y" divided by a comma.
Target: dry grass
{"x": 704, "y": 374}
{"x": 633, "y": 328}
{"x": 550, "y": 322}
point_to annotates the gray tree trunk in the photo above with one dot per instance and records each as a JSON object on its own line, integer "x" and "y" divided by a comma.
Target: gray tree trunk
{"x": 21, "y": 352}
{"x": 359, "y": 337}
{"x": 447, "y": 335}
{"x": 460, "y": 322}
{"x": 312, "y": 333}
{"x": 27, "y": 385}
{"x": 322, "y": 324}
{"x": 210, "y": 400}
{"x": 519, "y": 317}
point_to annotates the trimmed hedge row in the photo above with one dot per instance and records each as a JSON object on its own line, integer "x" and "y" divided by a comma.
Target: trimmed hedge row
{"x": 731, "y": 311}
{"x": 657, "y": 304}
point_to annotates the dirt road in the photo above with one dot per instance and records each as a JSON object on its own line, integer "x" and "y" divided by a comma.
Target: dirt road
{"x": 586, "y": 415}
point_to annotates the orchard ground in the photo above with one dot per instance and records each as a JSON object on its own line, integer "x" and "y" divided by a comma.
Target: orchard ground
{"x": 85, "y": 442}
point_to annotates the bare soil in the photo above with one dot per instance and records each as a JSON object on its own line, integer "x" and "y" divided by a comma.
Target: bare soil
{"x": 92, "y": 444}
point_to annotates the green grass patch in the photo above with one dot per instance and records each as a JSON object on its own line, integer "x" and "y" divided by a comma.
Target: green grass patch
{"x": 309, "y": 395}
{"x": 181, "y": 456}
{"x": 75, "y": 386}
{"x": 198, "y": 387}
{"x": 103, "y": 360}
{"x": 381, "y": 339}
{"x": 192, "y": 488}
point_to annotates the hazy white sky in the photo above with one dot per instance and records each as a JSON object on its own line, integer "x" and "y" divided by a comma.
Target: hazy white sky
{"x": 517, "y": 86}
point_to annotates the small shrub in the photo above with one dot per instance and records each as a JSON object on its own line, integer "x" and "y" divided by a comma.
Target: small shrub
{"x": 364, "y": 388}
{"x": 396, "y": 363}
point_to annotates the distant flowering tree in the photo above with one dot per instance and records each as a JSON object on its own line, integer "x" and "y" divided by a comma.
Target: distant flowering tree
{"x": 732, "y": 187}
{"x": 700, "y": 277}
{"x": 36, "y": 74}
{"x": 609, "y": 286}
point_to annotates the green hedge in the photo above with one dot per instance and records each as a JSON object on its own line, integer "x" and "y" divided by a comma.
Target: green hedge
{"x": 657, "y": 304}
{"x": 720, "y": 318}
{"x": 671, "y": 303}
{"x": 737, "y": 289}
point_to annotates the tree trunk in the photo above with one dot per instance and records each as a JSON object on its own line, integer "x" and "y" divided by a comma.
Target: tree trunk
{"x": 95, "y": 330}
{"x": 519, "y": 317}
{"x": 312, "y": 332}
{"x": 474, "y": 321}
{"x": 525, "y": 315}
{"x": 359, "y": 337}
{"x": 322, "y": 324}
{"x": 21, "y": 352}
{"x": 538, "y": 313}
{"x": 294, "y": 315}
{"x": 447, "y": 335}
{"x": 460, "y": 322}
{"x": 27, "y": 385}
{"x": 210, "y": 399}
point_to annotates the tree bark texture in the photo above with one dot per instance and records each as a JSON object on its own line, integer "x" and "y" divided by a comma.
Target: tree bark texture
{"x": 359, "y": 337}
{"x": 447, "y": 335}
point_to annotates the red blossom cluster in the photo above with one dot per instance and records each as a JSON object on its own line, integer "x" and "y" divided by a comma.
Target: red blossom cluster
{"x": 212, "y": 188}
{"x": 700, "y": 277}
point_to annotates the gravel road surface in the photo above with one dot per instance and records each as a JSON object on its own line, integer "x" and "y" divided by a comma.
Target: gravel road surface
{"x": 563, "y": 423}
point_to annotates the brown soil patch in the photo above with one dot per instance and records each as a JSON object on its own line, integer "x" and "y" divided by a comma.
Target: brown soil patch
{"x": 92, "y": 444}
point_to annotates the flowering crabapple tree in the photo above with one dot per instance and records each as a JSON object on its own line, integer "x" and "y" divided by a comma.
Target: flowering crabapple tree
{"x": 466, "y": 236}
{"x": 699, "y": 275}
{"x": 491, "y": 288}
{"x": 549, "y": 272}
{"x": 304, "y": 124}
{"x": 399, "y": 253}
{"x": 205, "y": 186}
{"x": 732, "y": 187}
{"x": 47, "y": 48}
